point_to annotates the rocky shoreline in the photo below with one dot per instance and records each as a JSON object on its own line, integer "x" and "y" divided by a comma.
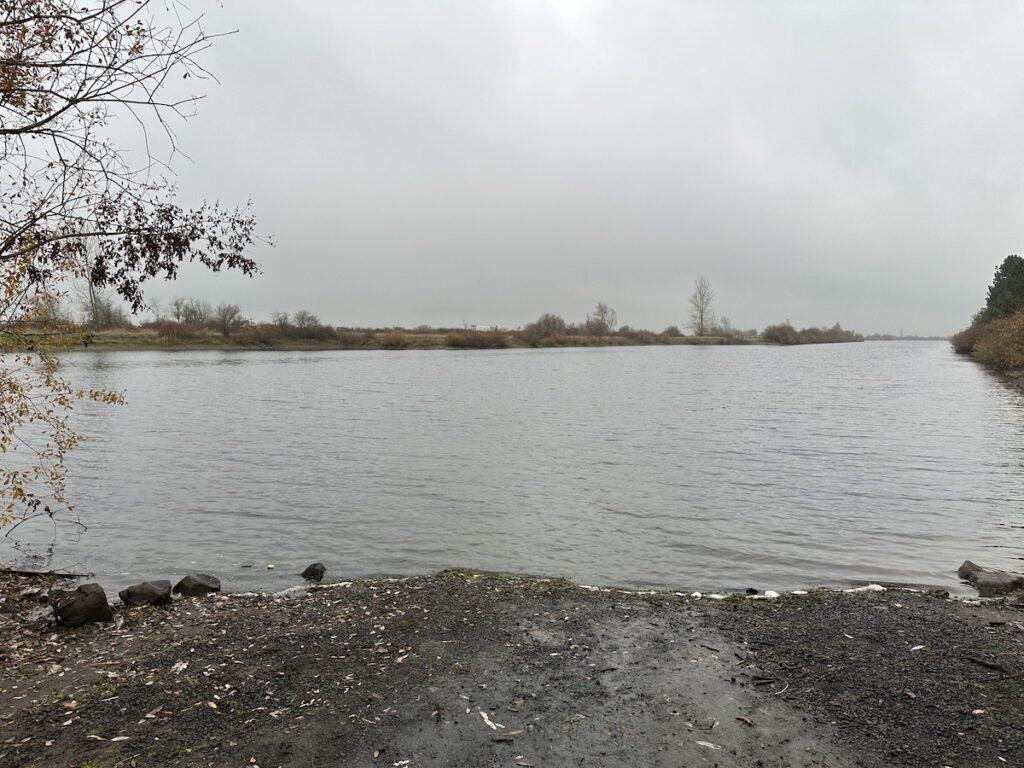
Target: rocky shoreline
{"x": 472, "y": 669}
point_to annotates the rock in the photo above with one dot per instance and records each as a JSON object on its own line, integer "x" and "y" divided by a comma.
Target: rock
{"x": 751, "y": 591}
{"x": 996, "y": 583}
{"x": 197, "y": 584}
{"x": 88, "y": 603}
{"x": 147, "y": 593}
{"x": 967, "y": 569}
{"x": 314, "y": 572}
{"x": 990, "y": 583}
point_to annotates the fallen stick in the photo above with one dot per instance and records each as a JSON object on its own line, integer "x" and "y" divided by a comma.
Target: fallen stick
{"x": 987, "y": 664}
{"x": 44, "y": 574}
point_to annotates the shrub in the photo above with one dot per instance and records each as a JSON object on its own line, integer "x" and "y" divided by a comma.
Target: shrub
{"x": 539, "y": 332}
{"x": 638, "y": 336}
{"x": 172, "y": 331}
{"x": 783, "y": 333}
{"x": 672, "y": 330}
{"x": 477, "y": 339}
{"x": 1000, "y": 343}
{"x": 262, "y": 334}
{"x": 394, "y": 340}
{"x": 964, "y": 341}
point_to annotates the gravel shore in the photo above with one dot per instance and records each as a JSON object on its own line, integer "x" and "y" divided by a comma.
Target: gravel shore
{"x": 470, "y": 669}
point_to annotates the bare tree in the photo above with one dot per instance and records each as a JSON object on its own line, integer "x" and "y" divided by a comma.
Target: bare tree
{"x": 156, "y": 308}
{"x": 280, "y": 319}
{"x": 91, "y": 300}
{"x": 702, "y": 316}
{"x": 178, "y": 308}
{"x": 98, "y": 308}
{"x": 68, "y": 70}
{"x": 304, "y": 320}
{"x": 196, "y": 312}
{"x": 603, "y": 321}
{"x": 227, "y": 317}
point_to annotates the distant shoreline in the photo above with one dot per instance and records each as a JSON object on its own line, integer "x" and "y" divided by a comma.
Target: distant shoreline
{"x": 142, "y": 341}
{"x": 145, "y": 341}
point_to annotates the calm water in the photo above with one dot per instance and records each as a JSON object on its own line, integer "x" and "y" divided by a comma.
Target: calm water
{"x": 674, "y": 467}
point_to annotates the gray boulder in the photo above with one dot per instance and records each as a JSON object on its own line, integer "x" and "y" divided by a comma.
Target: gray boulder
{"x": 88, "y": 603}
{"x": 996, "y": 583}
{"x": 147, "y": 593}
{"x": 990, "y": 583}
{"x": 314, "y": 572}
{"x": 967, "y": 568}
{"x": 196, "y": 585}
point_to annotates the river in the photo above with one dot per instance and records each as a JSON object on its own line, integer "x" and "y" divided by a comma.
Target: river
{"x": 669, "y": 467}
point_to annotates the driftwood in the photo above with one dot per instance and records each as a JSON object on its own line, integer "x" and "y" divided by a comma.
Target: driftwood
{"x": 45, "y": 574}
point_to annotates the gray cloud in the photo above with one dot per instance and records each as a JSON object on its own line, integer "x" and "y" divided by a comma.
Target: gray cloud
{"x": 484, "y": 162}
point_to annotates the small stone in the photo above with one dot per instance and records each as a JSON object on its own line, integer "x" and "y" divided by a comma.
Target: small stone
{"x": 147, "y": 593}
{"x": 314, "y": 572}
{"x": 197, "y": 584}
{"x": 84, "y": 605}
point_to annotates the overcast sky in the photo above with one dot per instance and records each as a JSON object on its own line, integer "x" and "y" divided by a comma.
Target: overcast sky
{"x": 483, "y": 162}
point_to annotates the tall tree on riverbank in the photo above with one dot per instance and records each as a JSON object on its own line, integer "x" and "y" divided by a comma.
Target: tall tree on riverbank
{"x": 702, "y": 316}
{"x": 603, "y": 321}
{"x": 68, "y": 68}
{"x": 1006, "y": 294}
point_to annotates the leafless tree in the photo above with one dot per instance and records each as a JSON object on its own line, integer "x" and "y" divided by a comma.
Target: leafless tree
{"x": 227, "y": 317}
{"x": 156, "y": 309}
{"x": 196, "y": 312}
{"x": 603, "y": 321}
{"x": 98, "y": 308}
{"x": 280, "y": 319}
{"x": 702, "y": 316}
{"x": 304, "y": 320}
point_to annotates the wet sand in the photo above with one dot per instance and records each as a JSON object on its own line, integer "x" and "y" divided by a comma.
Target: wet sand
{"x": 467, "y": 669}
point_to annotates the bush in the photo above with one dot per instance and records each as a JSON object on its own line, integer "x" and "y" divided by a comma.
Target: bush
{"x": 783, "y": 333}
{"x": 539, "y": 333}
{"x": 999, "y": 343}
{"x": 672, "y": 330}
{"x": 394, "y": 340}
{"x": 965, "y": 341}
{"x": 638, "y": 336}
{"x": 172, "y": 331}
{"x": 477, "y": 339}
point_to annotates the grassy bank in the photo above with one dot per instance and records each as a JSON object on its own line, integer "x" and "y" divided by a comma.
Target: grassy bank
{"x": 468, "y": 669}
{"x": 201, "y": 338}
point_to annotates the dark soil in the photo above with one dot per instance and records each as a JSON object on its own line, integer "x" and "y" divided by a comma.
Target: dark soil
{"x": 465, "y": 669}
{"x": 917, "y": 679}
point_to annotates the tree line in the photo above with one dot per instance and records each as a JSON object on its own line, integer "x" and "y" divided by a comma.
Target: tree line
{"x": 186, "y": 318}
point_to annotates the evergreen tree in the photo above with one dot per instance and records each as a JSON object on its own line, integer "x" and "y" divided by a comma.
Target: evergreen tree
{"x": 1006, "y": 294}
